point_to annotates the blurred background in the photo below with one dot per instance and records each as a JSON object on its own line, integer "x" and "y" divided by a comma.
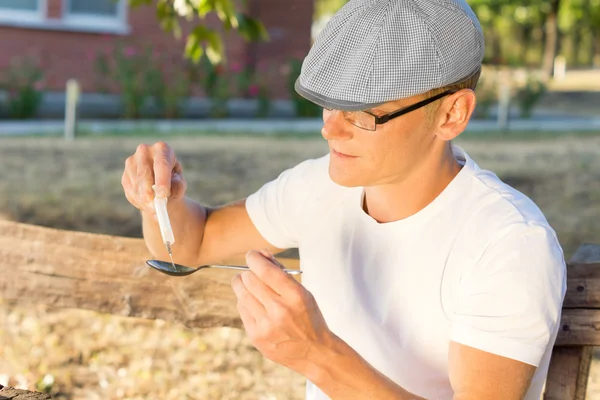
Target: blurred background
{"x": 82, "y": 83}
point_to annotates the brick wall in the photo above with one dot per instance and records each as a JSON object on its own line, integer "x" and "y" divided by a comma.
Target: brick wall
{"x": 289, "y": 23}
{"x": 54, "y": 8}
{"x": 65, "y": 55}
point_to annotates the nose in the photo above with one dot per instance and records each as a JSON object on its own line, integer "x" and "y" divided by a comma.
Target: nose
{"x": 335, "y": 127}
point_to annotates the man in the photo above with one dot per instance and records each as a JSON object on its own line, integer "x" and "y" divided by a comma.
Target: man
{"x": 424, "y": 276}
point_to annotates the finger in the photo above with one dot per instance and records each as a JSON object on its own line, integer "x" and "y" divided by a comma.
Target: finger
{"x": 164, "y": 162}
{"x": 270, "y": 256}
{"x": 128, "y": 180}
{"x": 245, "y": 297}
{"x": 178, "y": 186}
{"x": 129, "y": 192}
{"x": 264, "y": 294}
{"x": 247, "y": 318}
{"x": 144, "y": 177}
{"x": 269, "y": 273}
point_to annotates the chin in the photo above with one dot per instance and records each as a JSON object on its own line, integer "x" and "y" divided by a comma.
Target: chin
{"x": 345, "y": 176}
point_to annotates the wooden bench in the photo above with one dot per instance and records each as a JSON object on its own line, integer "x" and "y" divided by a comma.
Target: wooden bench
{"x": 108, "y": 274}
{"x": 580, "y": 328}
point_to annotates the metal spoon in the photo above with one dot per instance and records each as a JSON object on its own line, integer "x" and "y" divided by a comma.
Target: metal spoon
{"x": 179, "y": 270}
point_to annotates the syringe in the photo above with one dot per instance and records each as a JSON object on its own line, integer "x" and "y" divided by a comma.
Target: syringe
{"x": 160, "y": 204}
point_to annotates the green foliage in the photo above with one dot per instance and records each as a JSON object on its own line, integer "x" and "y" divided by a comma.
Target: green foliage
{"x": 22, "y": 83}
{"x": 141, "y": 78}
{"x": 487, "y": 96}
{"x": 130, "y": 72}
{"x": 515, "y": 30}
{"x": 529, "y": 95}
{"x": 203, "y": 40}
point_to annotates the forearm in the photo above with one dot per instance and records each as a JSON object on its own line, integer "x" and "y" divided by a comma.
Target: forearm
{"x": 206, "y": 235}
{"x": 187, "y": 219}
{"x": 341, "y": 373}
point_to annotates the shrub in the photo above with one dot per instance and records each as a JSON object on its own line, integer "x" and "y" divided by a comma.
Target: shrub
{"x": 23, "y": 84}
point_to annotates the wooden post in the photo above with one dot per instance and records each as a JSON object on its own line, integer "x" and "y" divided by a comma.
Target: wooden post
{"x": 72, "y": 98}
{"x": 572, "y": 355}
{"x": 503, "y": 105}
{"x": 560, "y": 68}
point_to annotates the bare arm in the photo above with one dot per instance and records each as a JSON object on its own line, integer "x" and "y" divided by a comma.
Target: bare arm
{"x": 474, "y": 375}
{"x": 206, "y": 235}
{"x": 202, "y": 235}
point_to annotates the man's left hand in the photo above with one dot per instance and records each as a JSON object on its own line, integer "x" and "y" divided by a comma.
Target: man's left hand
{"x": 280, "y": 316}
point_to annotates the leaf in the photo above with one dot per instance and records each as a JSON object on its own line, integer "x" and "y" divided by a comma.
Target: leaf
{"x": 226, "y": 13}
{"x": 204, "y": 7}
{"x": 214, "y": 51}
{"x": 251, "y": 29}
{"x": 168, "y": 18}
{"x": 195, "y": 45}
{"x": 193, "y": 48}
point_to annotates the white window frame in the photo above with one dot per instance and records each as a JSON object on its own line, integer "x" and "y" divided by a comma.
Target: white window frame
{"x": 97, "y": 23}
{"x": 79, "y": 23}
{"x": 13, "y": 17}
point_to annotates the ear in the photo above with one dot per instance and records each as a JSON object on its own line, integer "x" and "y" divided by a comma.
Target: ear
{"x": 454, "y": 114}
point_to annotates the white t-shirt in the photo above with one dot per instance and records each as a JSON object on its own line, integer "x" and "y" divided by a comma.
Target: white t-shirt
{"x": 479, "y": 266}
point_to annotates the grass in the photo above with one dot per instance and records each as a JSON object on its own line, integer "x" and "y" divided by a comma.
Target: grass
{"x": 76, "y": 186}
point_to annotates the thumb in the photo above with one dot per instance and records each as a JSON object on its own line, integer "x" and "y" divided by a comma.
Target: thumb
{"x": 267, "y": 254}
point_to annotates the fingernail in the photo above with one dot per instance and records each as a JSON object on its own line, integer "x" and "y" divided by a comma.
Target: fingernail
{"x": 265, "y": 253}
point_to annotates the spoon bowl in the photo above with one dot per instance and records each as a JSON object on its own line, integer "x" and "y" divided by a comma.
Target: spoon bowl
{"x": 169, "y": 268}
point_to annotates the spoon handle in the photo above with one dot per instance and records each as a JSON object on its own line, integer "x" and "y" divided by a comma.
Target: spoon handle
{"x": 242, "y": 268}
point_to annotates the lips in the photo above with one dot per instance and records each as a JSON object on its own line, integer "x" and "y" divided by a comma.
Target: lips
{"x": 339, "y": 154}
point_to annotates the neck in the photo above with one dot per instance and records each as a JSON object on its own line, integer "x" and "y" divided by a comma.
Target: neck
{"x": 401, "y": 199}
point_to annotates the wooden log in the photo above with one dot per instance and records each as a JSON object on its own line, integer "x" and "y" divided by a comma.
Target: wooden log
{"x": 579, "y": 327}
{"x": 108, "y": 274}
{"x": 583, "y": 286}
{"x": 9, "y": 393}
{"x": 568, "y": 373}
{"x": 570, "y": 365}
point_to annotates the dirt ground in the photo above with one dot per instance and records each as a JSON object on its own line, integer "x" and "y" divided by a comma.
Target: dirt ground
{"x": 76, "y": 186}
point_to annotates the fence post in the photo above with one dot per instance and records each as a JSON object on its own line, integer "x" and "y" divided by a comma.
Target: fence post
{"x": 560, "y": 68}
{"x": 503, "y": 106}
{"x": 72, "y": 99}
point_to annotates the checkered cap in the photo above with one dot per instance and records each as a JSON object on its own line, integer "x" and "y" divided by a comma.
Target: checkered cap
{"x": 375, "y": 51}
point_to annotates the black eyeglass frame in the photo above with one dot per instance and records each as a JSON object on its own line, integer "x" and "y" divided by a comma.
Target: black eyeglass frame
{"x": 382, "y": 119}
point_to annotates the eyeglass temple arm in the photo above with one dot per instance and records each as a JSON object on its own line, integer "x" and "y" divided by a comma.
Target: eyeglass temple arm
{"x": 385, "y": 118}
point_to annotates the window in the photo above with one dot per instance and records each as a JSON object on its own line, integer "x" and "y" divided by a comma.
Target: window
{"x": 97, "y": 14}
{"x": 22, "y": 5}
{"x": 98, "y": 8}
{"x": 21, "y": 10}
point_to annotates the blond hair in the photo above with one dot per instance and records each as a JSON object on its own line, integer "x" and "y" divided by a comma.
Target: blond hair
{"x": 470, "y": 82}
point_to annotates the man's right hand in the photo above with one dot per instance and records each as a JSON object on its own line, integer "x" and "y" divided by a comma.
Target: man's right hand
{"x": 152, "y": 165}
{"x": 202, "y": 236}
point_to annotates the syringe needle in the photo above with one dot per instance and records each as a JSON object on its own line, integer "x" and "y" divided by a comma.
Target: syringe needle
{"x": 170, "y": 254}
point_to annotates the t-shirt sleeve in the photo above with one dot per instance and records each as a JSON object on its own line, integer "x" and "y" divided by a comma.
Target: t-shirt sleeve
{"x": 510, "y": 302}
{"x": 276, "y": 209}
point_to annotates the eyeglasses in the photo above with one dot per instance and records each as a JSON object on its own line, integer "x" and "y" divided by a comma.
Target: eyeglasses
{"x": 369, "y": 121}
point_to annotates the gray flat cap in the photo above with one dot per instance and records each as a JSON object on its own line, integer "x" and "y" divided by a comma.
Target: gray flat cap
{"x": 375, "y": 51}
